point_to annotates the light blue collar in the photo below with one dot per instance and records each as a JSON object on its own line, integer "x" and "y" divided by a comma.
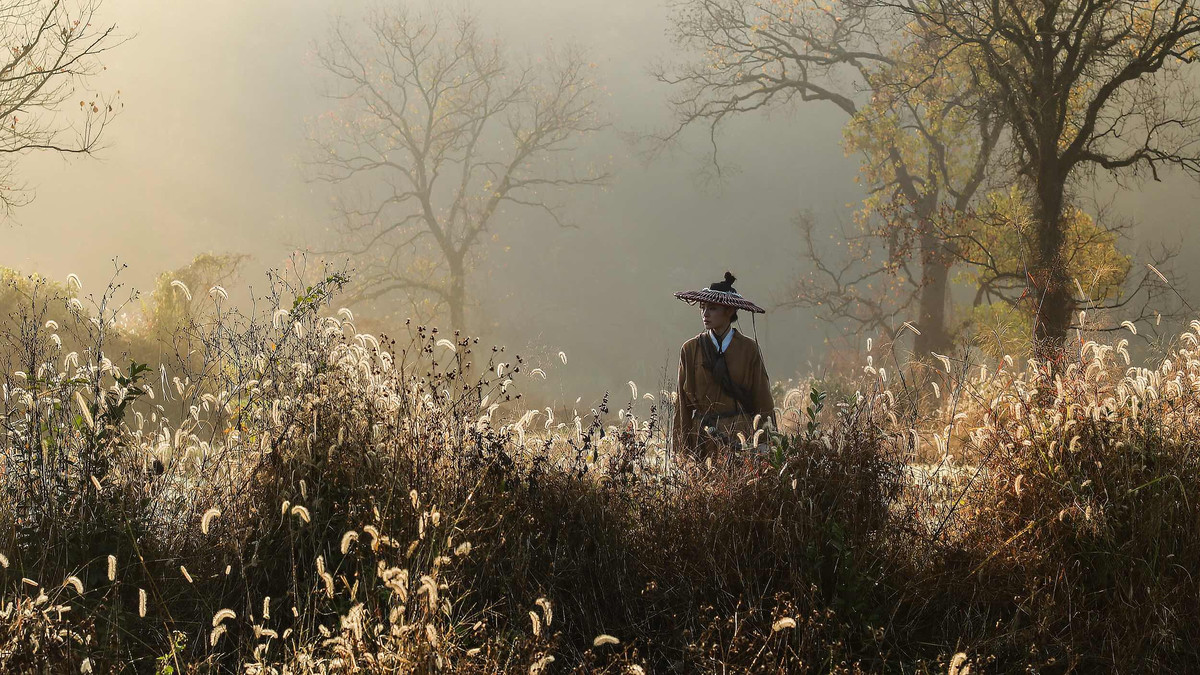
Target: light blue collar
{"x": 723, "y": 344}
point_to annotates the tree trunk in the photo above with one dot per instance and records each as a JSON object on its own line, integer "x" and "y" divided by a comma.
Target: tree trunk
{"x": 456, "y": 298}
{"x": 935, "y": 290}
{"x": 1053, "y": 301}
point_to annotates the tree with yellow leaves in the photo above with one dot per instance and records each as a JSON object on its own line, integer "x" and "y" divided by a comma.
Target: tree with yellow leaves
{"x": 1083, "y": 86}
{"x": 926, "y": 146}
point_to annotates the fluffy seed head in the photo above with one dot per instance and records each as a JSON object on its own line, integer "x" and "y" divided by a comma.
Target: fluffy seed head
{"x": 547, "y": 610}
{"x": 207, "y": 518}
{"x": 187, "y": 293}
{"x": 431, "y": 634}
{"x": 83, "y": 411}
{"x": 301, "y": 513}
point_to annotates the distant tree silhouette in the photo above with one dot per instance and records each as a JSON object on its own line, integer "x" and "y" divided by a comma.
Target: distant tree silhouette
{"x": 436, "y": 131}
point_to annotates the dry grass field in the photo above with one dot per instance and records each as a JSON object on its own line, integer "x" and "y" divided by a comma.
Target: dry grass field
{"x": 285, "y": 494}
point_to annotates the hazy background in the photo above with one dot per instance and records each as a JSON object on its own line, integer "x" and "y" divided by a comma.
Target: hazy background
{"x": 206, "y": 158}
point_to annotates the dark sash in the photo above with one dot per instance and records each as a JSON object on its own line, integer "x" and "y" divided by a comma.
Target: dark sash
{"x": 714, "y": 362}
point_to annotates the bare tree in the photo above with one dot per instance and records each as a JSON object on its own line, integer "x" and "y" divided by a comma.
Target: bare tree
{"x": 436, "y": 132}
{"x": 50, "y": 49}
{"x": 1085, "y": 86}
{"x": 925, "y": 144}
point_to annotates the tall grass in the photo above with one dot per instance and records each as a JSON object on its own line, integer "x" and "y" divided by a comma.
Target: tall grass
{"x": 283, "y": 493}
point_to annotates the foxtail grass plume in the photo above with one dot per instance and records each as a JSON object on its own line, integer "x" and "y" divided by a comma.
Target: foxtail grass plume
{"x": 83, "y": 410}
{"x": 602, "y": 640}
{"x": 783, "y": 624}
{"x": 547, "y": 610}
{"x": 301, "y": 513}
{"x": 431, "y": 635}
{"x": 187, "y": 293}
{"x": 207, "y": 518}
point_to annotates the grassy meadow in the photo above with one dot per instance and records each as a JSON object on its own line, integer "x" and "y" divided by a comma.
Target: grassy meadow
{"x": 281, "y": 493}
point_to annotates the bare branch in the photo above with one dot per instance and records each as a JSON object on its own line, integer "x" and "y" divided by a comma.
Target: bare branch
{"x": 449, "y": 128}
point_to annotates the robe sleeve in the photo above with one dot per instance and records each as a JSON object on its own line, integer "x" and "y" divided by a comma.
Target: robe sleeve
{"x": 760, "y": 389}
{"x": 684, "y": 406}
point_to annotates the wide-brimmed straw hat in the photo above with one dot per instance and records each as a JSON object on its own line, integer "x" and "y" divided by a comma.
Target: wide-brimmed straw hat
{"x": 721, "y": 293}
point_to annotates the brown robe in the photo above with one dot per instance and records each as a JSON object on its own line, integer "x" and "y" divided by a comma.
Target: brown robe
{"x": 700, "y": 395}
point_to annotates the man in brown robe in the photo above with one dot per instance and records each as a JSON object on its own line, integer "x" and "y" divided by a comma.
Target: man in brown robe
{"x": 723, "y": 385}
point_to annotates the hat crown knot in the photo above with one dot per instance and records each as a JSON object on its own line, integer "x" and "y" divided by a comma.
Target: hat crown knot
{"x": 725, "y": 286}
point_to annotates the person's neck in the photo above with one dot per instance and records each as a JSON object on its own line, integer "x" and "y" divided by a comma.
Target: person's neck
{"x": 720, "y": 334}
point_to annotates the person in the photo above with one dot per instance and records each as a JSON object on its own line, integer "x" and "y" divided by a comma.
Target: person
{"x": 723, "y": 385}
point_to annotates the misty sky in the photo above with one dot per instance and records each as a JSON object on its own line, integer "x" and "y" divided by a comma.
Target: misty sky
{"x": 206, "y": 157}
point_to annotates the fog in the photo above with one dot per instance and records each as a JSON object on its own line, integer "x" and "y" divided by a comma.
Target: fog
{"x": 206, "y": 157}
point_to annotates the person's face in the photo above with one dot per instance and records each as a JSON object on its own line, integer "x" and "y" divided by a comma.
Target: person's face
{"x": 716, "y": 317}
